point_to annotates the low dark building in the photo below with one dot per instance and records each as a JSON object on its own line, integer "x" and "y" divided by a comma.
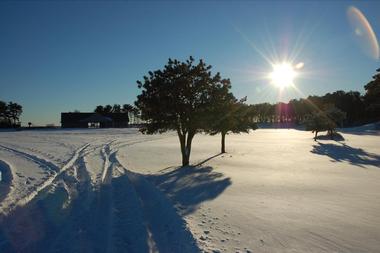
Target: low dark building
{"x": 93, "y": 120}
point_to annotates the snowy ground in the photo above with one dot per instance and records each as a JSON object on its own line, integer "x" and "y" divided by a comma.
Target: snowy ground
{"x": 276, "y": 190}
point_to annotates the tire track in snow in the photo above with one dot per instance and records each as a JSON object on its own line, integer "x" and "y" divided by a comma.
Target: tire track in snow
{"x": 85, "y": 207}
{"x": 117, "y": 208}
{"x": 107, "y": 170}
{"x": 105, "y": 202}
{"x": 126, "y": 230}
{"x": 138, "y": 141}
{"x": 78, "y": 225}
{"x": 121, "y": 214}
{"x": 167, "y": 231}
{"x": 90, "y": 220}
{"x": 26, "y": 199}
{"x": 91, "y": 204}
{"x": 36, "y": 159}
{"x": 129, "y": 232}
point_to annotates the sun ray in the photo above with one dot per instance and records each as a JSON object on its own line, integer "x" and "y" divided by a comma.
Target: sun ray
{"x": 283, "y": 75}
{"x": 267, "y": 59}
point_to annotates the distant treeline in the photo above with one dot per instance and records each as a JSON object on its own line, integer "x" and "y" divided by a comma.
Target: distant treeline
{"x": 116, "y": 108}
{"x": 133, "y": 113}
{"x": 10, "y": 114}
{"x": 359, "y": 109}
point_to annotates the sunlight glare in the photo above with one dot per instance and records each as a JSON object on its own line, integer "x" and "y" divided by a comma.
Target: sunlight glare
{"x": 282, "y": 75}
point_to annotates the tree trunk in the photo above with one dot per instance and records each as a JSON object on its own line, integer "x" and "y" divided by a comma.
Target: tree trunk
{"x": 185, "y": 159}
{"x": 185, "y": 142}
{"x": 331, "y": 134}
{"x": 315, "y": 137}
{"x": 223, "y": 149}
{"x": 188, "y": 148}
{"x": 182, "y": 141}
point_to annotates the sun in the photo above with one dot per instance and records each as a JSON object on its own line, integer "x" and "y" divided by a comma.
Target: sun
{"x": 283, "y": 75}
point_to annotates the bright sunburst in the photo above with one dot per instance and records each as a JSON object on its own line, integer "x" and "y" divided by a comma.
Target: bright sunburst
{"x": 283, "y": 75}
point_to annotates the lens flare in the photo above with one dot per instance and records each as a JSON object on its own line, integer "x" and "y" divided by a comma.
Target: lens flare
{"x": 299, "y": 65}
{"x": 283, "y": 75}
{"x": 363, "y": 32}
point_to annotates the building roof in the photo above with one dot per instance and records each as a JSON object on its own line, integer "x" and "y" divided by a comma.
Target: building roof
{"x": 96, "y": 118}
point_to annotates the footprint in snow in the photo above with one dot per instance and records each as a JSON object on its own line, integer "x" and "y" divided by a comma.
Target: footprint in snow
{"x": 19, "y": 174}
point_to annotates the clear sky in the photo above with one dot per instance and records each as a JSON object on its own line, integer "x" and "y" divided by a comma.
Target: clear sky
{"x": 65, "y": 56}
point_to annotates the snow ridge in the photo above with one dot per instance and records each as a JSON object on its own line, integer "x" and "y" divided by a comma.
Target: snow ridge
{"x": 121, "y": 212}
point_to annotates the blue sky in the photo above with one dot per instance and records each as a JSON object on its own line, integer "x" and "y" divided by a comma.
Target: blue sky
{"x": 63, "y": 56}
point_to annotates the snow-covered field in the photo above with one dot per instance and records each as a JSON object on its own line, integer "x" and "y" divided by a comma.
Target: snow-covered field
{"x": 115, "y": 190}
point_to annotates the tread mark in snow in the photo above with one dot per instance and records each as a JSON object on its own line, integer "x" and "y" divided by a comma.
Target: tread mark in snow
{"x": 23, "y": 201}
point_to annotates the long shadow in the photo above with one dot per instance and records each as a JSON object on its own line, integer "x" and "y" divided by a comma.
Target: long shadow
{"x": 189, "y": 186}
{"x": 24, "y": 228}
{"x": 53, "y": 222}
{"x": 336, "y": 137}
{"x": 207, "y": 159}
{"x": 168, "y": 229}
{"x": 373, "y": 132}
{"x": 369, "y": 129}
{"x": 5, "y": 180}
{"x": 345, "y": 153}
{"x": 47, "y": 225}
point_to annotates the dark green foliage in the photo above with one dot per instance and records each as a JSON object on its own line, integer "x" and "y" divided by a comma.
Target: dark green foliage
{"x": 3, "y": 110}
{"x": 228, "y": 115}
{"x": 116, "y": 108}
{"x": 99, "y": 109}
{"x": 14, "y": 112}
{"x": 326, "y": 120}
{"x": 108, "y": 109}
{"x": 129, "y": 108}
{"x": 336, "y": 115}
{"x": 349, "y": 102}
{"x": 264, "y": 112}
{"x": 316, "y": 122}
{"x": 10, "y": 114}
{"x": 372, "y": 97}
{"x": 179, "y": 97}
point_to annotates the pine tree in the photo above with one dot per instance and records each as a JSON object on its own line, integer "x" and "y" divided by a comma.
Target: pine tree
{"x": 178, "y": 98}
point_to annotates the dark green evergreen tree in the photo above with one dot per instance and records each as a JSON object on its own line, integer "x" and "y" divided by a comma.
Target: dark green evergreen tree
{"x": 178, "y": 98}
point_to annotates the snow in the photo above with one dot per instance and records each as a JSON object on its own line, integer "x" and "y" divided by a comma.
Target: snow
{"x": 116, "y": 190}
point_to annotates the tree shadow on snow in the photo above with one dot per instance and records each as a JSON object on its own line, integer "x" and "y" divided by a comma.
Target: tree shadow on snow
{"x": 189, "y": 186}
{"x": 5, "y": 180}
{"x": 335, "y": 137}
{"x": 126, "y": 215}
{"x": 130, "y": 214}
{"x": 345, "y": 153}
{"x": 369, "y": 129}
